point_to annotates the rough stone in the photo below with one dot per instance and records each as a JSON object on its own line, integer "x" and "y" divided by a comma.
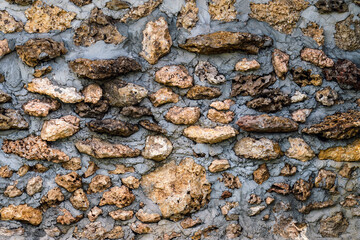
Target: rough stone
{"x": 152, "y": 126}
{"x": 103, "y": 68}
{"x": 94, "y": 213}
{"x": 4, "y": 47}
{"x": 347, "y": 35}
{"x": 346, "y": 171}
{"x": 99, "y": 183}
{"x": 327, "y": 6}
{"x": 121, "y": 169}
{"x": 92, "y": 93}
{"x": 163, "y": 96}
{"x": 269, "y": 100}
{"x": 288, "y": 228}
{"x": 20, "y": 2}
{"x": 34, "y": 185}
{"x": 136, "y": 111}
{"x": 231, "y": 181}
{"x": 207, "y": 72}
{"x": 266, "y": 123}
{"x": 281, "y": 188}
{"x": 261, "y": 149}
{"x": 12, "y": 191}
{"x": 34, "y": 148}
{"x": 188, "y": 15}
{"x": 4, "y": 97}
{"x": 304, "y": 77}
{"x": 280, "y": 62}
{"x": 42, "y": 71}
{"x": 201, "y": 92}
{"x": 222, "y": 105}
{"x": 314, "y": 31}
{"x": 178, "y": 196}
{"x": 147, "y": 217}
{"x": 350, "y": 201}
{"x": 333, "y": 226}
{"x": 189, "y": 222}
{"x": 306, "y": 209}
{"x": 346, "y": 73}
{"x": 5, "y": 172}
{"x": 302, "y": 189}
{"x": 67, "y": 218}
{"x": 73, "y": 164}
{"x": 327, "y": 97}
{"x": 316, "y": 57}
{"x": 141, "y": 11}
{"x": 223, "y": 42}
{"x": 247, "y": 65}
{"x": 288, "y": 170}
{"x": 157, "y": 148}
{"x": 21, "y": 213}
{"x": 131, "y": 182}
{"x": 43, "y": 18}
{"x": 219, "y": 165}
{"x": 222, "y": 10}
{"x": 254, "y": 199}
{"x": 40, "y": 107}
{"x": 92, "y": 168}
{"x": 183, "y": 115}
{"x": 117, "y": 5}
{"x": 251, "y": 85}
{"x": 261, "y": 174}
{"x": 220, "y": 117}
{"x": 113, "y": 127}
{"x": 204, "y": 233}
{"x": 233, "y": 230}
{"x": 70, "y": 181}
{"x": 63, "y": 127}
{"x": 97, "y": 110}
{"x": 209, "y": 135}
{"x": 53, "y": 197}
{"x": 81, "y": 3}
{"x": 12, "y": 119}
{"x": 326, "y": 179}
{"x": 226, "y": 211}
{"x": 299, "y": 150}
{"x": 174, "y": 76}
{"x": 79, "y": 200}
{"x": 116, "y": 233}
{"x": 301, "y": 115}
{"x": 140, "y": 228}
{"x": 121, "y": 215}
{"x": 119, "y": 196}
{"x": 8, "y": 24}
{"x": 253, "y": 211}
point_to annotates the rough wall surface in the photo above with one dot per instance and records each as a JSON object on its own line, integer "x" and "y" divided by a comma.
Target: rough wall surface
{"x": 260, "y": 192}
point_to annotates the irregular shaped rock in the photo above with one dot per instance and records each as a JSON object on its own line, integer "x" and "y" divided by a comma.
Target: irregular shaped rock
{"x": 104, "y": 68}
{"x": 251, "y": 85}
{"x": 81, "y": 3}
{"x": 123, "y": 94}
{"x": 220, "y": 117}
{"x": 189, "y": 222}
{"x": 141, "y": 11}
{"x": 233, "y": 230}
{"x": 188, "y": 15}
{"x": 121, "y": 169}
{"x": 315, "y": 206}
{"x": 147, "y": 217}
{"x": 74, "y": 164}
{"x": 156, "y": 40}
{"x": 20, "y": 2}
{"x": 350, "y": 201}
{"x": 333, "y": 226}
{"x": 247, "y": 65}
{"x": 337, "y": 126}
{"x": 346, "y": 73}
{"x": 43, "y": 18}
{"x": 79, "y": 200}
{"x": 206, "y": 71}
{"x": 269, "y": 100}
{"x": 12, "y": 191}
{"x": 282, "y": 15}
{"x": 42, "y": 71}
{"x": 140, "y": 228}
{"x": 136, "y": 111}
{"x": 302, "y": 190}
{"x": 21, "y": 213}
{"x": 178, "y": 196}
{"x": 67, "y": 218}
{"x": 261, "y": 174}
{"x": 34, "y": 185}
{"x": 163, "y": 96}
{"x": 99, "y": 183}
{"x": 38, "y": 50}
{"x": 326, "y": 180}
{"x": 224, "y": 42}
{"x": 347, "y": 35}
{"x": 281, "y": 188}
{"x": 33, "y": 148}
{"x": 201, "y": 92}
{"x": 254, "y": 199}
{"x": 262, "y": 149}
{"x": 230, "y": 181}
{"x": 219, "y": 165}
{"x": 131, "y": 182}
{"x": 222, "y": 10}
{"x": 316, "y": 57}
{"x": 98, "y": 27}
{"x": 327, "y": 97}
{"x": 222, "y": 105}
{"x": 288, "y": 170}
{"x": 152, "y": 126}
{"x": 225, "y": 210}
{"x": 113, "y": 127}
{"x": 346, "y": 171}
{"x": 121, "y": 215}
{"x": 64, "y": 127}
{"x": 8, "y": 24}
{"x": 314, "y": 31}
{"x": 157, "y": 148}
{"x": 98, "y": 148}
{"x": 298, "y": 97}
{"x": 119, "y": 196}
{"x": 92, "y": 168}
{"x": 209, "y": 135}
{"x": 183, "y": 115}
{"x": 266, "y": 123}
{"x": 40, "y": 107}
{"x": 253, "y": 211}
{"x": 299, "y": 150}
{"x": 288, "y": 228}
{"x": 4, "y": 47}
{"x": 92, "y": 93}
{"x": 301, "y": 115}
{"x": 117, "y": 5}
{"x": 70, "y": 181}
{"x": 174, "y": 76}
{"x": 12, "y": 119}
{"x": 97, "y": 110}
{"x": 94, "y": 213}
{"x": 5, "y": 172}
{"x": 4, "y": 97}
{"x": 327, "y": 6}
{"x": 53, "y": 197}
{"x": 304, "y": 77}
{"x": 203, "y": 233}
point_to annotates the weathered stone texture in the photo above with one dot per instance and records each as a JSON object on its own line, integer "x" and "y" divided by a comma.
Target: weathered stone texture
{"x": 304, "y": 77}
{"x": 99, "y": 183}
{"x": 222, "y": 10}
{"x": 141, "y": 11}
{"x": 157, "y": 148}
{"x": 262, "y": 149}
{"x": 316, "y": 57}
{"x": 347, "y": 153}
{"x": 183, "y": 115}
{"x": 12, "y": 119}
{"x": 201, "y": 92}
{"x": 71, "y": 181}
{"x": 188, "y": 15}
{"x": 174, "y": 76}
{"x": 334, "y": 225}
{"x": 347, "y": 35}
{"x": 280, "y": 61}
{"x": 247, "y": 65}
{"x": 40, "y": 107}
{"x": 163, "y": 96}
{"x": 207, "y": 72}
{"x": 64, "y": 127}
{"x": 8, "y": 24}
{"x": 113, "y": 127}
{"x": 21, "y": 213}
{"x": 251, "y": 85}
{"x": 261, "y": 174}
{"x": 346, "y": 73}
{"x": 299, "y": 150}
{"x": 314, "y": 31}
{"x": 210, "y": 135}
{"x": 220, "y": 117}
{"x": 266, "y": 123}
{"x": 117, "y": 5}
{"x": 119, "y": 196}
{"x": 269, "y": 100}
{"x": 328, "y": 6}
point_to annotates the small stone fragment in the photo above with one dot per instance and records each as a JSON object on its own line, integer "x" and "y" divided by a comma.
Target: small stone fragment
{"x": 94, "y": 213}
{"x": 220, "y": 117}
{"x": 346, "y": 73}
{"x": 326, "y": 180}
{"x": 24, "y": 169}
{"x": 253, "y": 211}
{"x": 350, "y": 201}
{"x": 174, "y": 76}
{"x": 136, "y": 111}
{"x": 306, "y": 209}
{"x": 157, "y": 148}
{"x": 188, "y": 15}
{"x": 116, "y": 233}
{"x": 131, "y": 182}
{"x": 70, "y": 181}
{"x": 183, "y": 115}
{"x": 152, "y": 126}
{"x": 147, "y": 217}
{"x": 254, "y": 199}
{"x": 121, "y": 215}
{"x": 113, "y": 127}
{"x": 225, "y": 210}
{"x": 12, "y": 191}
{"x": 4, "y": 46}
{"x": 99, "y": 183}
{"x": 280, "y": 62}
{"x": 222, "y": 105}
{"x": 21, "y": 213}
{"x": 281, "y": 188}
{"x": 219, "y": 165}
{"x": 328, "y": 6}
{"x": 347, "y": 35}
{"x": 92, "y": 168}
{"x": 53, "y": 197}
{"x": 97, "y": 110}
{"x": 201, "y": 92}
{"x": 230, "y": 181}
{"x": 5, "y": 172}
{"x": 261, "y": 174}
{"x": 299, "y": 150}
{"x": 81, "y": 3}
{"x": 141, "y": 11}
{"x": 327, "y": 97}
{"x": 43, "y": 18}
{"x": 302, "y": 190}
{"x": 12, "y": 119}
{"x": 42, "y": 71}
{"x": 301, "y": 115}
{"x": 333, "y": 226}
{"x": 314, "y": 31}
{"x": 163, "y": 96}
{"x": 251, "y": 85}
{"x": 269, "y": 100}
{"x": 262, "y": 149}
{"x": 74, "y": 164}
{"x": 288, "y": 170}
{"x": 67, "y": 218}
{"x": 233, "y": 230}
{"x": 210, "y": 135}
{"x": 304, "y": 77}
{"x": 121, "y": 169}
{"x": 346, "y": 171}
{"x": 41, "y": 107}
{"x": 92, "y": 93}
{"x": 288, "y": 228}
{"x": 119, "y": 196}
{"x": 8, "y": 24}
{"x": 156, "y": 40}
{"x": 247, "y": 65}
{"x": 4, "y": 97}
{"x": 316, "y": 57}
{"x": 79, "y": 200}
{"x": 269, "y": 200}
{"x": 222, "y": 10}
{"x": 64, "y": 127}
{"x": 140, "y": 228}
{"x": 34, "y": 148}
{"x": 207, "y": 72}
{"x": 204, "y": 233}
{"x": 266, "y": 123}
{"x": 20, "y": 2}
{"x": 34, "y": 185}
{"x": 189, "y": 222}
{"x": 117, "y": 5}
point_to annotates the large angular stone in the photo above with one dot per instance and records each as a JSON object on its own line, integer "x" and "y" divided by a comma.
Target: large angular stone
{"x": 21, "y": 213}
{"x": 64, "y": 127}
{"x": 157, "y": 148}
{"x": 183, "y": 115}
{"x": 222, "y": 10}
{"x": 207, "y": 72}
{"x": 346, "y": 73}
{"x": 223, "y": 42}
{"x": 220, "y": 117}
{"x": 37, "y": 50}
{"x": 314, "y": 31}
{"x": 269, "y": 100}
{"x": 98, "y": 27}
{"x": 71, "y": 181}
{"x": 282, "y": 15}
{"x": 328, "y": 6}
{"x": 259, "y": 149}
{"x": 316, "y": 57}
{"x": 98, "y": 148}
{"x": 299, "y": 150}
{"x": 33, "y": 148}
{"x": 337, "y": 126}
{"x": 141, "y": 11}
{"x": 43, "y": 18}
{"x": 348, "y": 153}
{"x": 105, "y": 68}
{"x": 333, "y": 226}
{"x": 178, "y": 196}
{"x": 174, "y": 76}
{"x": 347, "y": 35}
{"x": 45, "y": 86}
{"x": 267, "y": 123}
{"x": 119, "y": 196}
{"x": 8, "y": 24}
{"x": 251, "y": 85}
{"x": 304, "y": 77}
{"x": 122, "y": 94}
{"x": 280, "y": 62}
{"x": 12, "y": 119}
{"x": 156, "y": 40}
{"x": 40, "y": 107}
{"x": 188, "y": 15}
{"x": 113, "y": 127}
{"x": 163, "y": 96}
{"x": 79, "y": 200}
{"x": 210, "y": 135}
{"x": 201, "y": 92}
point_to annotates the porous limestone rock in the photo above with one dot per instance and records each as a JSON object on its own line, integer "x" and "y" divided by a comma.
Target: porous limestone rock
{"x": 131, "y": 182}
{"x": 306, "y": 209}
{"x": 121, "y": 169}
{"x": 302, "y": 189}
{"x": 304, "y": 77}
{"x": 94, "y": 213}
{"x": 188, "y": 15}
{"x": 98, "y": 148}
{"x": 347, "y": 170}
{"x": 347, "y": 153}
{"x": 289, "y": 228}
{"x": 43, "y": 18}
{"x": 299, "y": 150}
{"x": 147, "y": 217}
{"x": 5, "y": 172}
{"x": 198, "y": 92}
{"x": 261, "y": 174}
{"x": 4, "y": 97}
{"x": 316, "y": 57}
{"x": 326, "y": 179}
{"x": 140, "y": 228}
{"x": 222, "y": 105}
{"x": 183, "y": 115}
{"x": 136, "y": 111}
{"x": 251, "y": 85}
{"x": 89, "y": 110}
{"x": 119, "y": 196}
{"x": 113, "y": 127}
{"x": 4, "y": 47}
{"x": 222, "y": 10}
{"x": 91, "y": 169}
{"x": 327, "y": 96}
{"x": 79, "y": 200}
{"x": 122, "y": 215}
{"x": 207, "y": 72}
{"x": 266, "y": 123}
{"x": 347, "y": 35}
{"x": 12, "y": 191}
{"x": 34, "y": 185}
{"x": 314, "y": 31}
{"x": 288, "y": 170}
{"x": 81, "y": 3}
{"x": 280, "y": 62}
{"x": 345, "y": 72}
{"x": 141, "y": 11}
{"x": 92, "y": 93}
{"x": 53, "y": 197}
{"x": 178, "y": 196}
{"x": 223, "y": 42}
{"x": 156, "y": 40}
{"x": 247, "y": 65}
{"x": 63, "y": 127}
{"x": 99, "y": 183}
{"x": 157, "y": 148}
{"x": 163, "y": 96}
{"x": 220, "y": 117}
{"x": 210, "y": 135}
{"x": 260, "y": 149}
{"x": 281, "y": 188}
{"x": 21, "y": 213}
{"x": 174, "y": 76}
{"x": 328, "y": 6}
{"x": 189, "y": 222}
{"x": 333, "y": 226}
{"x": 67, "y": 218}
{"x": 73, "y": 164}
{"x": 117, "y": 5}
{"x": 8, "y": 24}
{"x": 230, "y": 181}
{"x": 103, "y": 68}
{"x": 152, "y": 126}
{"x": 301, "y": 115}
{"x": 12, "y": 119}
{"x": 219, "y": 165}
{"x": 40, "y": 107}
{"x": 34, "y": 148}
{"x": 20, "y": 2}
{"x": 42, "y": 71}
{"x": 233, "y": 230}
{"x": 71, "y": 181}
{"x": 269, "y": 100}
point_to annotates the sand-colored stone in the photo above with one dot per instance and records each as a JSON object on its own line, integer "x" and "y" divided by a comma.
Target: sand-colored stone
{"x": 157, "y": 148}
{"x": 174, "y": 76}
{"x": 247, "y": 65}
{"x": 222, "y": 105}
{"x": 220, "y": 117}
{"x": 121, "y": 169}
{"x": 314, "y": 31}
{"x": 12, "y": 191}
{"x": 141, "y": 11}
{"x": 147, "y": 217}
{"x": 183, "y": 115}
{"x": 4, "y": 47}
{"x": 188, "y": 15}
{"x": 63, "y": 127}
{"x": 140, "y": 228}
{"x": 301, "y": 115}
{"x": 119, "y": 196}
{"x": 73, "y": 164}
{"x": 222, "y": 10}
{"x": 210, "y": 135}
{"x": 5, "y": 172}
{"x": 42, "y": 71}
{"x": 299, "y": 150}
{"x": 259, "y": 149}
{"x": 67, "y": 218}
{"x": 91, "y": 169}
{"x": 163, "y": 96}
{"x": 12, "y": 119}
{"x": 280, "y": 62}
{"x": 92, "y": 93}
{"x": 40, "y": 107}
{"x": 21, "y": 213}
{"x": 8, "y": 24}
{"x": 349, "y": 153}
{"x": 53, "y": 197}
{"x": 131, "y": 182}
{"x": 122, "y": 215}
{"x": 79, "y": 200}
{"x": 316, "y": 57}
{"x": 99, "y": 183}
{"x": 219, "y": 165}
{"x": 347, "y": 35}
{"x": 71, "y": 181}
{"x": 34, "y": 185}
{"x": 94, "y": 213}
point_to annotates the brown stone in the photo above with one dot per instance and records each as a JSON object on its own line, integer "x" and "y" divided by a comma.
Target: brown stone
{"x": 327, "y": 6}
{"x": 299, "y": 150}
{"x": 99, "y": 183}
{"x": 33, "y": 148}
{"x": 12, "y": 191}
{"x": 140, "y": 228}
{"x": 141, "y": 11}
{"x": 163, "y": 96}
{"x": 233, "y": 230}
{"x": 104, "y": 68}
{"x": 43, "y": 18}
{"x": 156, "y": 40}
{"x": 39, "y": 168}
{"x": 201, "y": 92}
{"x": 81, "y": 3}
{"x": 306, "y": 209}
{"x": 205, "y": 232}
{"x": 207, "y": 72}
{"x": 251, "y": 85}
{"x": 288, "y": 170}
{"x": 282, "y": 15}
{"x": 116, "y": 233}
{"x": 281, "y": 188}
{"x": 21, "y": 213}
{"x": 64, "y": 127}
{"x": 175, "y": 195}
{"x": 254, "y": 199}
{"x": 230, "y": 181}
{"x": 223, "y": 42}
{"x": 269, "y": 200}
{"x": 314, "y": 31}
{"x": 261, "y": 149}
{"x": 302, "y": 189}
{"x": 346, "y": 73}
{"x": 20, "y": 2}
{"x": 42, "y": 71}
{"x": 157, "y": 148}
{"x": 8, "y": 24}
{"x": 261, "y": 174}
{"x": 79, "y": 200}
{"x": 152, "y": 126}
{"x": 222, "y": 10}
{"x": 92, "y": 93}
{"x": 327, "y": 97}
{"x": 136, "y": 111}
{"x": 117, "y": 5}
{"x": 333, "y": 226}
{"x": 113, "y": 127}
{"x": 189, "y": 222}
{"x": 219, "y": 165}
{"x": 121, "y": 169}
{"x": 4, "y": 97}
{"x": 23, "y": 170}
{"x": 188, "y": 15}
{"x": 12, "y": 119}
{"x": 5, "y": 172}
{"x": 97, "y": 110}
{"x": 347, "y": 35}
{"x": 92, "y": 168}
{"x": 350, "y": 201}
{"x": 174, "y": 76}
{"x": 220, "y": 117}
{"x": 183, "y": 115}
{"x": 326, "y": 180}
{"x": 247, "y": 65}
{"x": 147, "y": 217}
{"x": 222, "y": 105}
{"x": 288, "y": 228}
{"x": 40, "y": 107}
{"x": 346, "y": 171}
{"x": 98, "y": 27}
{"x": 119, "y": 196}
{"x": 73, "y": 164}
{"x": 225, "y": 210}
{"x": 4, "y": 47}
{"x": 121, "y": 215}
{"x": 67, "y": 218}
{"x": 94, "y": 213}
{"x": 210, "y": 135}
{"x": 301, "y": 115}
{"x": 98, "y": 148}
{"x": 131, "y": 182}
{"x": 269, "y": 100}
{"x": 34, "y": 185}
{"x": 70, "y": 181}
{"x": 53, "y": 197}
{"x": 280, "y": 61}
{"x": 304, "y": 77}
{"x": 92, "y": 231}
{"x": 266, "y": 123}
{"x": 316, "y": 57}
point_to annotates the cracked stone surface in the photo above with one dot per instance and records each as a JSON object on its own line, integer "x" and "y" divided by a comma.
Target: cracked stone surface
{"x": 210, "y": 135}
{"x": 251, "y": 85}
{"x": 222, "y": 10}
{"x": 261, "y": 149}
{"x": 345, "y": 72}
{"x": 266, "y": 123}
{"x": 269, "y": 100}
{"x": 113, "y": 127}
{"x": 64, "y": 127}
{"x": 174, "y": 76}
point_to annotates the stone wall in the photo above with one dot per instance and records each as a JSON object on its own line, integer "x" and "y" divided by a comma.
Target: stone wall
{"x": 197, "y": 119}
